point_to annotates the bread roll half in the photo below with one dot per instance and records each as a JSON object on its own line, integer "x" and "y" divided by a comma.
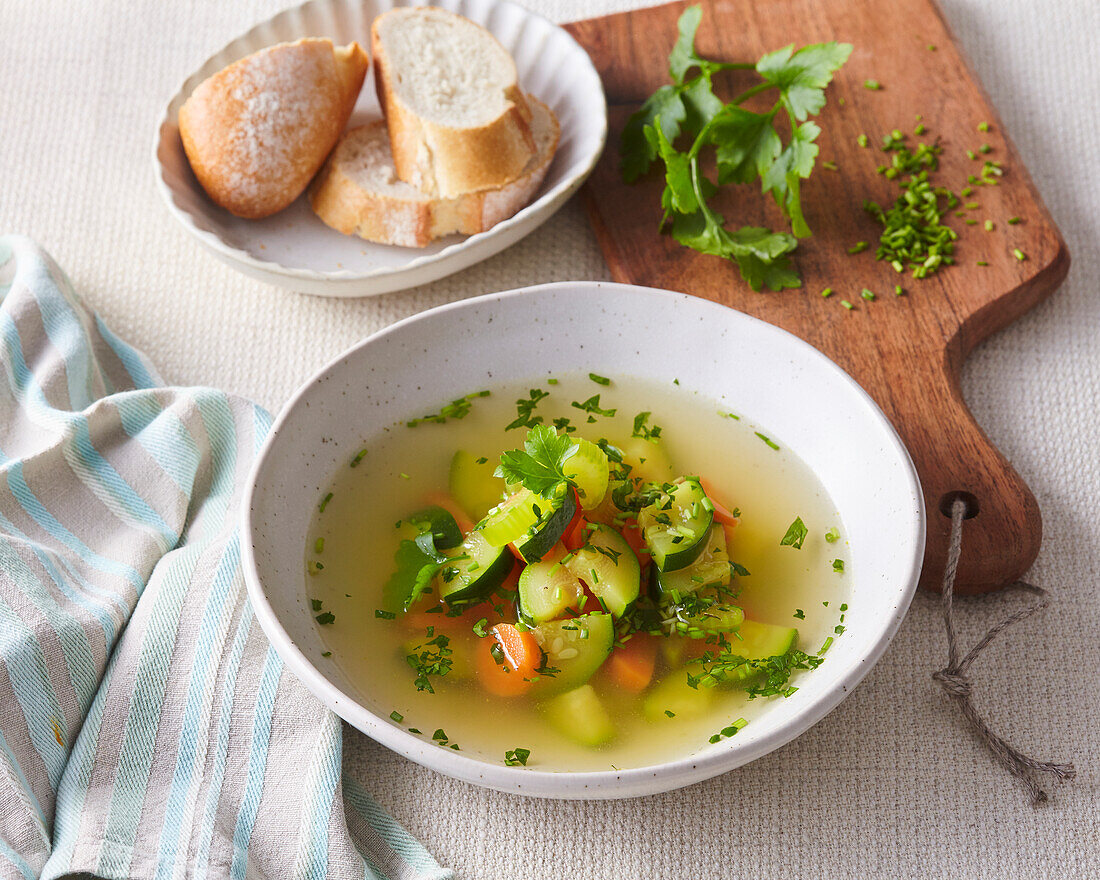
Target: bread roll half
{"x": 457, "y": 119}
{"x": 256, "y": 132}
{"x": 359, "y": 193}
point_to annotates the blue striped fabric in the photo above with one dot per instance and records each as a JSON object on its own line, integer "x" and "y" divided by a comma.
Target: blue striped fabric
{"x": 141, "y": 708}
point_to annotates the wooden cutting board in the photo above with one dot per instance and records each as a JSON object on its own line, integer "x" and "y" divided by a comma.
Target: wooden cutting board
{"x": 905, "y": 351}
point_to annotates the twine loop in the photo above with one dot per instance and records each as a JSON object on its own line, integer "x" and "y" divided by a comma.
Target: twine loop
{"x": 955, "y": 682}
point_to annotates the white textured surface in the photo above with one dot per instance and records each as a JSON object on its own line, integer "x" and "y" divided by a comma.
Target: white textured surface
{"x": 891, "y": 784}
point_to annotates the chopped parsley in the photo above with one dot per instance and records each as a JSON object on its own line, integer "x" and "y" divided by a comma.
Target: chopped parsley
{"x": 799, "y": 613}
{"x": 325, "y": 618}
{"x": 525, "y": 409}
{"x": 670, "y": 713}
{"x": 397, "y": 716}
{"x": 456, "y": 409}
{"x": 517, "y": 757}
{"x": 384, "y": 615}
{"x": 727, "y": 732}
{"x": 838, "y": 565}
{"x": 593, "y": 408}
{"x": 796, "y": 534}
{"x": 643, "y": 431}
{"x": 432, "y": 657}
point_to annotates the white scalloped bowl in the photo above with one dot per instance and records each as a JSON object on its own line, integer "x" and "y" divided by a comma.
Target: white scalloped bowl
{"x": 294, "y": 248}
{"x": 775, "y": 379}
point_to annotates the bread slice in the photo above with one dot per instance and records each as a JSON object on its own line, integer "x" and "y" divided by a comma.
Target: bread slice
{"x": 457, "y": 119}
{"x": 359, "y": 193}
{"x": 256, "y": 132}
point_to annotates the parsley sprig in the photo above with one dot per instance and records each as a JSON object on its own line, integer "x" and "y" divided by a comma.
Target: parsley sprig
{"x": 538, "y": 466}
{"x": 747, "y": 147}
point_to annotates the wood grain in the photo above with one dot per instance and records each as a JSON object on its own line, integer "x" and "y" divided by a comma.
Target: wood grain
{"x": 905, "y": 351}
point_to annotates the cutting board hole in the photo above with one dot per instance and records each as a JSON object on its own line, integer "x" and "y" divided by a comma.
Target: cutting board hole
{"x": 973, "y": 508}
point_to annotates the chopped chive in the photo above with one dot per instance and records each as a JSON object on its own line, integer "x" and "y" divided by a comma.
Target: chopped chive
{"x": 971, "y": 222}
{"x": 970, "y": 154}
{"x": 384, "y": 615}
{"x": 920, "y": 129}
{"x": 825, "y": 647}
{"x": 670, "y": 713}
{"x": 985, "y": 148}
{"x": 983, "y": 126}
{"x": 858, "y": 247}
{"x": 847, "y": 304}
{"x": 1019, "y": 254}
{"x": 838, "y": 565}
{"x": 827, "y": 292}
{"x": 358, "y": 457}
{"x": 1012, "y": 221}
{"x": 971, "y": 206}
{"x": 988, "y": 225}
{"x": 829, "y": 166}
{"x": 319, "y": 546}
{"x": 897, "y": 290}
{"x": 324, "y": 503}
{"x": 599, "y": 380}
{"x": 872, "y": 84}
{"x": 983, "y": 262}
{"x": 767, "y": 440}
{"x": 862, "y": 140}
{"x": 551, "y": 381}
{"x": 867, "y": 294}
{"x": 397, "y": 716}
{"x": 404, "y": 476}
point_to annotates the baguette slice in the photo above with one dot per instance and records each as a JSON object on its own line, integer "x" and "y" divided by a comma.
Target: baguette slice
{"x": 457, "y": 119}
{"x": 359, "y": 193}
{"x": 256, "y": 132}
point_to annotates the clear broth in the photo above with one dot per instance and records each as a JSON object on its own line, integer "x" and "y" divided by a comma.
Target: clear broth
{"x": 770, "y": 486}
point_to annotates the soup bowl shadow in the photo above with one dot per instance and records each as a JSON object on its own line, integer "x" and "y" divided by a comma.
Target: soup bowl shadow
{"x": 804, "y": 399}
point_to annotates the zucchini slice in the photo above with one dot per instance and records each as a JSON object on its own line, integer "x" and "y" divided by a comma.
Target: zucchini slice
{"x": 579, "y": 715}
{"x": 648, "y": 459}
{"x": 677, "y": 525}
{"x": 609, "y": 569}
{"x": 576, "y": 648}
{"x": 675, "y": 695}
{"x": 588, "y": 468}
{"x": 711, "y": 569}
{"x": 475, "y": 569}
{"x": 547, "y": 590}
{"x": 473, "y": 486}
{"x": 445, "y": 531}
{"x": 533, "y": 523}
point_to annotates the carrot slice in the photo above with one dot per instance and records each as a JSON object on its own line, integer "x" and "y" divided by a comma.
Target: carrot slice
{"x": 442, "y": 499}
{"x": 722, "y": 513}
{"x": 631, "y": 664}
{"x": 632, "y": 534}
{"x": 521, "y": 656}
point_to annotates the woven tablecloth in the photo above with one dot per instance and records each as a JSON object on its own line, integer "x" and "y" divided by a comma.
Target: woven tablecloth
{"x": 891, "y": 784}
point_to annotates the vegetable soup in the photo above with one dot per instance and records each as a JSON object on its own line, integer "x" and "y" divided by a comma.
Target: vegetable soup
{"x": 577, "y": 572}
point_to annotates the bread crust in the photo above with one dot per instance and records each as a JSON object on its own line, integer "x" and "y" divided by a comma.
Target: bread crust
{"x": 417, "y": 220}
{"x": 256, "y": 132}
{"x": 445, "y": 161}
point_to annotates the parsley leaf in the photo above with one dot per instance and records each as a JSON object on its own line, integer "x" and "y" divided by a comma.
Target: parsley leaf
{"x": 796, "y": 534}
{"x": 415, "y": 564}
{"x": 665, "y": 108}
{"x": 538, "y": 466}
{"x": 802, "y": 76}
{"x": 517, "y": 757}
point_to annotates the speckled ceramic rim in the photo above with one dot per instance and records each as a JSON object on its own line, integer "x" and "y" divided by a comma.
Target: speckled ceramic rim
{"x": 720, "y": 758}
{"x": 422, "y": 268}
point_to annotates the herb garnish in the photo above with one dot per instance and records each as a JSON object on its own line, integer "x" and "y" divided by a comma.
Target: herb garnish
{"x": 432, "y": 657}
{"x": 767, "y": 440}
{"x": 592, "y": 406}
{"x": 726, "y": 732}
{"x": 833, "y": 535}
{"x": 642, "y": 430}
{"x": 456, "y": 409}
{"x": 796, "y": 534}
{"x": 747, "y": 147}
{"x": 538, "y": 466}
{"x": 838, "y": 565}
{"x": 397, "y": 716}
{"x": 598, "y": 379}
{"x": 524, "y": 409}
{"x": 517, "y": 757}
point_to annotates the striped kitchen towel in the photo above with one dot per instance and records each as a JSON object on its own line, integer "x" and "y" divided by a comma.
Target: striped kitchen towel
{"x": 147, "y": 728}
